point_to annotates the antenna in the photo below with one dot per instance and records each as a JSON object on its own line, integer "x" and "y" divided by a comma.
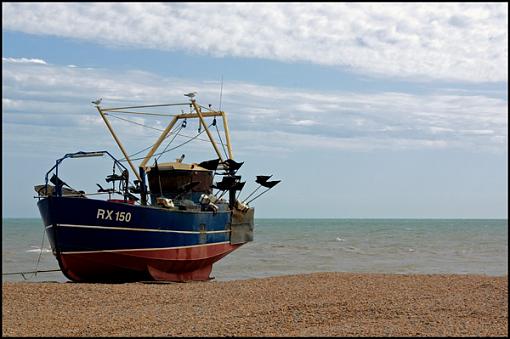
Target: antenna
{"x": 221, "y": 90}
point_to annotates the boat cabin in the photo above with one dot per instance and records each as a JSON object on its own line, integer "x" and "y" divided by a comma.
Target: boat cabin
{"x": 179, "y": 181}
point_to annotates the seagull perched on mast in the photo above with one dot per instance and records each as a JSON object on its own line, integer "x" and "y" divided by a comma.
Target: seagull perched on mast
{"x": 97, "y": 102}
{"x": 191, "y": 95}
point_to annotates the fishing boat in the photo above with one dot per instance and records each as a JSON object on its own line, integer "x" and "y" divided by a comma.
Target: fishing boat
{"x": 166, "y": 221}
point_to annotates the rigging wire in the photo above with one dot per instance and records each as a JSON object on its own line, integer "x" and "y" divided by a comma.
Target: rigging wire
{"x": 200, "y": 131}
{"x": 149, "y": 147}
{"x": 221, "y": 90}
{"x": 216, "y": 126}
{"x": 171, "y": 149}
{"x": 219, "y": 136}
{"x": 142, "y": 113}
{"x": 175, "y": 135}
{"x": 154, "y": 128}
{"x": 144, "y": 106}
{"x": 160, "y": 130}
{"x": 134, "y": 122}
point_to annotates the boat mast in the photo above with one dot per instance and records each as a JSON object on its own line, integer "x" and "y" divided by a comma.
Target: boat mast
{"x": 118, "y": 141}
{"x": 159, "y": 141}
{"x": 197, "y": 109}
{"x": 199, "y": 114}
{"x": 227, "y": 134}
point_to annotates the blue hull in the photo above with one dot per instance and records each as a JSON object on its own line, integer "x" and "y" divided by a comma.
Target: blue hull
{"x": 87, "y": 224}
{"x": 96, "y": 240}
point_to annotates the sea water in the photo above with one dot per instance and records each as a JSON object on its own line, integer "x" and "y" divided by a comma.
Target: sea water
{"x": 292, "y": 246}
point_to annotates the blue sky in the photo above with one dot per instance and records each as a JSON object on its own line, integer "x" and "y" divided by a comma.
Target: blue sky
{"x": 363, "y": 110}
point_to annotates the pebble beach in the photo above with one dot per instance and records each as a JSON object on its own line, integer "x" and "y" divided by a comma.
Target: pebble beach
{"x": 318, "y": 304}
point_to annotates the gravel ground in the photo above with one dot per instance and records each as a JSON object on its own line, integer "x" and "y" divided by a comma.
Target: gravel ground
{"x": 319, "y": 304}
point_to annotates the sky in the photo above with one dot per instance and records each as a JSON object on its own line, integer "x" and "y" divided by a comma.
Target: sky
{"x": 363, "y": 110}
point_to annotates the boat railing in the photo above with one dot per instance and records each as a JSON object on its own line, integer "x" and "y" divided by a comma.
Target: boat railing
{"x": 81, "y": 154}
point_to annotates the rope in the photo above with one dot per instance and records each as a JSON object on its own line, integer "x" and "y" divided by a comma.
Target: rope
{"x": 23, "y": 273}
{"x": 34, "y": 273}
{"x": 40, "y": 253}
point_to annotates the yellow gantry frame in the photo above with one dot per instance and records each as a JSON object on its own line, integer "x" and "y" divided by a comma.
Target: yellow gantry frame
{"x": 118, "y": 142}
{"x": 199, "y": 114}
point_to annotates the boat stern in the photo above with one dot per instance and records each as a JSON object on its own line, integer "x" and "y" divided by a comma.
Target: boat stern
{"x": 242, "y": 225}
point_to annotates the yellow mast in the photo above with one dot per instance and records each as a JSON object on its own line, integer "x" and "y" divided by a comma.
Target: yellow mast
{"x": 197, "y": 109}
{"x": 159, "y": 141}
{"x": 227, "y": 135}
{"x": 199, "y": 114}
{"x": 118, "y": 142}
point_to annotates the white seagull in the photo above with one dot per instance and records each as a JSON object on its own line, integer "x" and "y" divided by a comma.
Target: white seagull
{"x": 97, "y": 102}
{"x": 191, "y": 95}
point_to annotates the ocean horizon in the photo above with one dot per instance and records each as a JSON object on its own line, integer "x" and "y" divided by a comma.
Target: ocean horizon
{"x": 284, "y": 246}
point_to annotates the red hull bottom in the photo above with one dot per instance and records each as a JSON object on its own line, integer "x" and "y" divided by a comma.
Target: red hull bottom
{"x": 175, "y": 264}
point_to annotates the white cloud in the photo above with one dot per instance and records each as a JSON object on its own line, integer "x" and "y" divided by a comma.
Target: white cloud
{"x": 285, "y": 141}
{"x": 453, "y": 41}
{"x": 55, "y": 97}
{"x": 304, "y": 122}
{"x": 9, "y": 103}
{"x": 24, "y": 61}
